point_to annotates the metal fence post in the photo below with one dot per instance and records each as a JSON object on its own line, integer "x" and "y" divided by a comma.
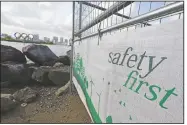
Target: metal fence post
{"x": 71, "y": 53}
{"x": 80, "y": 18}
{"x": 80, "y": 15}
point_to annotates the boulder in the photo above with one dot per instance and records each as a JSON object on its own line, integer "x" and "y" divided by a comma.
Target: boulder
{"x": 59, "y": 76}
{"x": 39, "y": 54}
{"x": 41, "y": 75}
{"x": 32, "y": 64}
{"x": 7, "y": 103}
{"x": 9, "y": 96}
{"x": 25, "y": 95}
{"x": 9, "y": 53}
{"x": 50, "y": 63}
{"x": 5, "y": 84}
{"x": 16, "y": 75}
{"x": 13, "y": 74}
{"x": 31, "y": 69}
{"x": 10, "y": 62}
{"x": 68, "y": 53}
{"x": 65, "y": 60}
{"x": 47, "y": 75}
{"x": 58, "y": 64}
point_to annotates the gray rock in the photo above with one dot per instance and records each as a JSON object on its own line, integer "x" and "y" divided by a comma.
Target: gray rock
{"x": 59, "y": 76}
{"x": 7, "y": 104}
{"x": 50, "y": 63}
{"x": 25, "y": 95}
{"x": 31, "y": 69}
{"x": 10, "y": 62}
{"x": 45, "y": 67}
{"x": 41, "y": 75}
{"x": 58, "y": 64}
{"x": 69, "y": 53}
{"x": 9, "y": 53}
{"x": 23, "y": 104}
{"x": 13, "y": 74}
{"x": 30, "y": 64}
{"x": 39, "y": 54}
{"x": 64, "y": 59}
{"x": 5, "y": 84}
{"x": 16, "y": 75}
{"x": 9, "y": 96}
{"x": 52, "y": 75}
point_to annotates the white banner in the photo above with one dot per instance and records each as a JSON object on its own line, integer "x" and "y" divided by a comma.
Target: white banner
{"x": 132, "y": 76}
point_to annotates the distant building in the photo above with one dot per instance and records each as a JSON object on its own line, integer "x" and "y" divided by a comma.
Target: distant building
{"x": 70, "y": 41}
{"x": 66, "y": 41}
{"x": 36, "y": 37}
{"x": 55, "y": 39}
{"x": 61, "y": 39}
{"x": 3, "y": 35}
{"x": 46, "y": 39}
{"x": 41, "y": 40}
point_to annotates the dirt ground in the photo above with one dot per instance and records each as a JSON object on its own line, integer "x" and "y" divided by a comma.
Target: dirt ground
{"x": 47, "y": 108}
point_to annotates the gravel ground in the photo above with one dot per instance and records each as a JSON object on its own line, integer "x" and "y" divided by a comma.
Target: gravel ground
{"x": 47, "y": 108}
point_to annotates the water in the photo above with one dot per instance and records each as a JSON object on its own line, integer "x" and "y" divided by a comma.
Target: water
{"x": 59, "y": 50}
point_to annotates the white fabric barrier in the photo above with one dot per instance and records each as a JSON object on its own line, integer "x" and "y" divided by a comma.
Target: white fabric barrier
{"x": 133, "y": 76}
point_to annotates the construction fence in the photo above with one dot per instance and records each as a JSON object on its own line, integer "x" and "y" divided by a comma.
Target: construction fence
{"x": 128, "y": 60}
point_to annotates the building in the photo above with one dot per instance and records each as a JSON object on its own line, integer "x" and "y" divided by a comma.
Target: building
{"x": 36, "y": 37}
{"x": 55, "y": 39}
{"x": 61, "y": 39}
{"x": 3, "y": 35}
{"x": 66, "y": 42}
{"x": 70, "y": 41}
{"x": 6, "y": 36}
{"x": 46, "y": 39}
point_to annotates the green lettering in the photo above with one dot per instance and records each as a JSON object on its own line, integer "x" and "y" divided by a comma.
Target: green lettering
{"x": 168, "y": 94}
{"x": 139, "y": 86}
{"x": 109, "y": 119}
{"x": 130, "y": 76}
{"x": 151, "y": 89}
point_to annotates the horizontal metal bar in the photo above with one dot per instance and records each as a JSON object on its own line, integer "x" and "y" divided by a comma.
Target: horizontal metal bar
{"x": 103, "y": 9}
{"x": 166, "y": 10}
{"x": 113, "y": 9}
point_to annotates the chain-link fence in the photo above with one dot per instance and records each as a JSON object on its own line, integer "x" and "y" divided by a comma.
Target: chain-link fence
{"x": 91, "y": 18}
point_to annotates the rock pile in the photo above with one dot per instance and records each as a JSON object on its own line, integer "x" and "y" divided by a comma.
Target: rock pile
{"x": 47, "y": 70}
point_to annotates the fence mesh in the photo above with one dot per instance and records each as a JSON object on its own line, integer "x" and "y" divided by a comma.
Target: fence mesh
{"x": 86, "y": 12}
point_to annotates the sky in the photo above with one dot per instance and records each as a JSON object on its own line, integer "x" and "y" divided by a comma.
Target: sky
{"x": 51, "y": 18}
{"x": 44, "y": 18}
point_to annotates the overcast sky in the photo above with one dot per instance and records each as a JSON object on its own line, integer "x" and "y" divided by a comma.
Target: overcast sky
{"x": 43, "y": 18}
